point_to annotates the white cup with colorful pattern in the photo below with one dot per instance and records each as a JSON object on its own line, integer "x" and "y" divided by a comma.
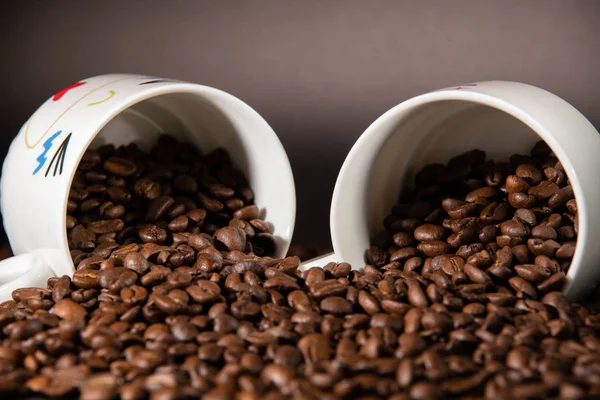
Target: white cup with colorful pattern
{"x": 121, "y": 109}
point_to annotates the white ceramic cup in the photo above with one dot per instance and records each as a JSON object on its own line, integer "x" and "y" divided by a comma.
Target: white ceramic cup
{"x": 501, "y": 118}
{"x": 120, "y": 109}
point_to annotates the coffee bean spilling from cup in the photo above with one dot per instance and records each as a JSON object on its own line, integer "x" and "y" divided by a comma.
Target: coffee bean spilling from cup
{"x": 177, "y": 295}
{"x": 509, "y": 224}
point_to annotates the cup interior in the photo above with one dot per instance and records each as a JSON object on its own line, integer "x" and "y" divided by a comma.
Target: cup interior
{"x": 390, "y": 153}
{"x": 434, "y": 133}
{"x": 209, "y": 119}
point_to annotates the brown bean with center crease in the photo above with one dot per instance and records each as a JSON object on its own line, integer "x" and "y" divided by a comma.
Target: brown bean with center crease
{"x": 233, "y": 238}
{"x": 515, "y": 184}
{"x": 494, "y": 212}
{"x": 204, "y": 291}
{"x": 152, "y": 234}
{"x": 281, "y": 283}
{"x": 86, "y": 279}
{"x": 542, "y": 247}
{"x": 544, "y": 190}
{"x": 555, "y": 175}
{"x": 521, "y": 285}
{"x": 529, "y": 173}
{"x": 114, "y": 279}
{"x": 533, "y": 272}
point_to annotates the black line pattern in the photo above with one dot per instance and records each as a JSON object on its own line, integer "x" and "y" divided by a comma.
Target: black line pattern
{"x": 59, "y": 157}
{"x": 154, "y": 81}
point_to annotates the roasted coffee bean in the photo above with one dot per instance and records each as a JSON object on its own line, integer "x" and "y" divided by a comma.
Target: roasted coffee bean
{"x": 120, "y": 166}
{"x": 494, "y": 212}
{"x": 521, "y": 200}
{"x": 115, "y": 279}
{"x": 525, "y": 216}
{"x": 429, "y": 232}
{"x": 513, "y": 228}
{"x": 152, "y": 234}
{"x": 476, "y": 275}
{"x": 69, "y": 310}
{"x": 247, "y": 213}
{"x": 147, "y": 189}
{"x": 530, "y": 173}
{"x": 158, "y": 207}
{"x": 204, "y": 291}
{"x": 336, "y": 305}
{"x": 86, "y": 279}
{"x": 403, "y": 239}
{"x": 533, "y": 272}
{"x": 234, "y": 239}
{"x": 516, "y": 184}
{"x": 433, "y": 248}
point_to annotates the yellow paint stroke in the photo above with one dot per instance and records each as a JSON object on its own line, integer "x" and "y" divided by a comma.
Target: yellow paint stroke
{"x": 31, "y": 146}
{"x": 112, "y": 93}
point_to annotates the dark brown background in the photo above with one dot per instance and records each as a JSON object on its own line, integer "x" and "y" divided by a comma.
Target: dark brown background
{"x": 319, "y": 71}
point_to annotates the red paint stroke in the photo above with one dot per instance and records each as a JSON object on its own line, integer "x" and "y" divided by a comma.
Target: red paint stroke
{"x": 60, "y": 94}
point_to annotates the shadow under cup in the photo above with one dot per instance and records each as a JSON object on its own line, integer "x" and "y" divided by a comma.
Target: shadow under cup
{"x": 401, "y": 143}
{"x": 209, "y": 121}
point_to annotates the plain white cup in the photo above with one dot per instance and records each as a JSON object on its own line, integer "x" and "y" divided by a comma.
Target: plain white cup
{"x": 501, "y": 118}
{"x": 120, "y": 109}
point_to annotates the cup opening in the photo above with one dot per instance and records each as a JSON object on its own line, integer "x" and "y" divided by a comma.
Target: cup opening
{"x": 184, "y": 116}
{"x": 434, "y": 133}
{"x": 425, "y": 130}
{"x": 209, "y": 119}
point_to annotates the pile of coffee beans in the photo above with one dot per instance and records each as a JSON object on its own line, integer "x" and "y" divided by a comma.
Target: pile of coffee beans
{"x": 513, "y": 224}
{"x": 162, "y": 198}
{"x": 459, "y": 300}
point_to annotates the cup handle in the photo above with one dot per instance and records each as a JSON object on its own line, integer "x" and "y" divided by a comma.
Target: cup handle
{"x": 320, "y": 261}
{"x": 23, "y": 271}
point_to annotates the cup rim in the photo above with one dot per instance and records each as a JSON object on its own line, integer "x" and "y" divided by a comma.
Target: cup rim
{"x": 484, "y": 99}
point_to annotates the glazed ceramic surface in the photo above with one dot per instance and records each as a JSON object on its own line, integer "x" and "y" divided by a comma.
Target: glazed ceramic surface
{"x": 120, "y": 109}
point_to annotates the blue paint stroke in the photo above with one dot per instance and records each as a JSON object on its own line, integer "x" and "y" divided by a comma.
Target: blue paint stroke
{"x": 42, "y": 157}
